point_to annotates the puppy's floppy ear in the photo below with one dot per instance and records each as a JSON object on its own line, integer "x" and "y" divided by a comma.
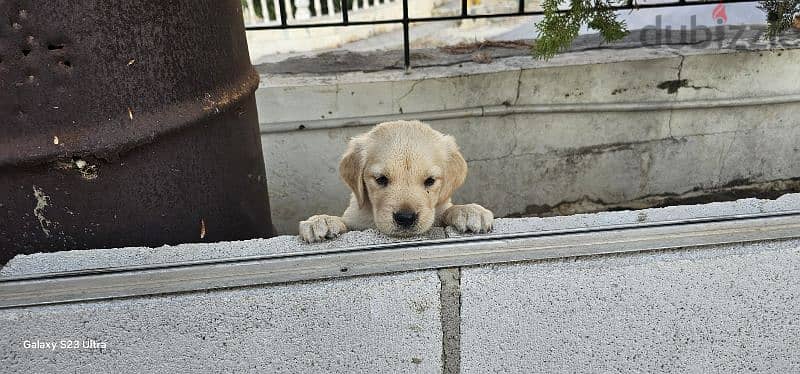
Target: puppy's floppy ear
{"x": 455, "y": 170}
{"x": 351, "y": 168}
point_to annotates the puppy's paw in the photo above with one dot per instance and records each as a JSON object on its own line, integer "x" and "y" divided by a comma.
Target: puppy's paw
{"x": 469, "y": 218}
{"x": 321, "y": 227}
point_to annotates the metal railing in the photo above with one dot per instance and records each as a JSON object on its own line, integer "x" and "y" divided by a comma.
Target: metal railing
{"x": 406, "y": 20}
{"x": 272, "y": 12}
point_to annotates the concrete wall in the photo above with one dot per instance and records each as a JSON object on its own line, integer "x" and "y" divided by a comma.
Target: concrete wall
{"x": 725, "y": 308}
{"x": 588, "y": 130}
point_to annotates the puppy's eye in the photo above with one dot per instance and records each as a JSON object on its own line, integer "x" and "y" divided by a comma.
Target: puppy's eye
{"x": 429, "y": 182}
{"x": 382, "y": 180}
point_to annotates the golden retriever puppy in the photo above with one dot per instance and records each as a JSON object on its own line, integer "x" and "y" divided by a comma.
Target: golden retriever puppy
{"x": 402, "y": 175}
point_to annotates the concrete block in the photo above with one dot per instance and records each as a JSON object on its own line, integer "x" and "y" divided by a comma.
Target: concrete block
{"x": 730, "y": 309}
{"x": 377, "y": 324}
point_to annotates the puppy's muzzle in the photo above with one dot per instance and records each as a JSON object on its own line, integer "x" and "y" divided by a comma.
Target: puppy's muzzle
{"x": 405, "y": 219}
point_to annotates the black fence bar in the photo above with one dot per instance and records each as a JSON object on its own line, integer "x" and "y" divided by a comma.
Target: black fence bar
{"x": 282, "y": 11}
{"x": 406, "y": 41}
{"x": 344, "y": 5}
{"x": 406, "y": 20}
{"x": 631, "y": 6}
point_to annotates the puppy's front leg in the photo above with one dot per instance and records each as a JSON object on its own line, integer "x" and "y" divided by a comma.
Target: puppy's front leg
{"x": 321, "y": 227}
{"x": 468, "y": 218}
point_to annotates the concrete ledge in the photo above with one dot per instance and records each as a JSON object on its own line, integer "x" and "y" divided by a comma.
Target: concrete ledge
{"x": 54, "y": 262}
{"x": 724, "y": 307}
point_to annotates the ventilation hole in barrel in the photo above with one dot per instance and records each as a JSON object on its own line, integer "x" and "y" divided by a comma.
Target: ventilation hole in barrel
{"x": 54, "y": 47}
{"x": 66, "y": 63}
{"x": 26, "y": 51}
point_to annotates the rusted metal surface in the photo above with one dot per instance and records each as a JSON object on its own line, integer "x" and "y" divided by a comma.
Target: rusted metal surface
{"x": 127, "y": 123}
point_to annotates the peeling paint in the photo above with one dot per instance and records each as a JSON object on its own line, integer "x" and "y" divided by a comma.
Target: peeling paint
{"x": 42, "y": 201}
{"x": 88, "y": 171}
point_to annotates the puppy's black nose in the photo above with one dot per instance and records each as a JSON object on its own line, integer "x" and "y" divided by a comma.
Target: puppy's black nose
{"x": 405, "y": 218}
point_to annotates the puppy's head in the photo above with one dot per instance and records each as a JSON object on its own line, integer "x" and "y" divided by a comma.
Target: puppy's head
{"x": 403, "y": 170}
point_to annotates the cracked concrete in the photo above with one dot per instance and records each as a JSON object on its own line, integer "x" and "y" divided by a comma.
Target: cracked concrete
{"x": 519, "y": 85}
{"x": 724, "y": 156}
{"x": 543, "y": 133}
{"x": 403, "y": 96}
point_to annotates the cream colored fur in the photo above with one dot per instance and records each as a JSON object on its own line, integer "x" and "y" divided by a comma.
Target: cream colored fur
{"x": 406, "y": 153}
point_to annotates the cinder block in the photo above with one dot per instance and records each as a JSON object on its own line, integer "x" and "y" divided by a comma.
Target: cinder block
{"x": 387, "y": 324}
{"x": 724, "y": 309}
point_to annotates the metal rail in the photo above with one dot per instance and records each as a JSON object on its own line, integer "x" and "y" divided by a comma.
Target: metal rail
{"x": 406, "y": 20}
{"x": 111, "y": 283}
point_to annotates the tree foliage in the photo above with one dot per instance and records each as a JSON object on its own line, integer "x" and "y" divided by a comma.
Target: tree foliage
{"x": 780, "y": 14}
{"x": 558, "y": 29}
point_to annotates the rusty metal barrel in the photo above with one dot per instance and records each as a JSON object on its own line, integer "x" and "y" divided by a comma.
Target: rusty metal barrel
{"x": 127, "y": 123}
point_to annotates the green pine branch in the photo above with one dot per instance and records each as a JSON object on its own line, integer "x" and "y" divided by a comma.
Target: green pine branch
{"x": 780, "y": 14}
{"x": 557, "y": 30}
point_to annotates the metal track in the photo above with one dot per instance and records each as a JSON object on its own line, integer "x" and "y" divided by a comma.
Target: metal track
{"x": 110, "y": 283}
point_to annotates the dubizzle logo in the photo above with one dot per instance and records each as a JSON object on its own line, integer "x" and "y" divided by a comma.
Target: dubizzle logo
{"x": 718, "y": 14}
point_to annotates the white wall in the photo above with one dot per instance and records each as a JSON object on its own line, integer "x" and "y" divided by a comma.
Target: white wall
{"x": 584, "y": 131}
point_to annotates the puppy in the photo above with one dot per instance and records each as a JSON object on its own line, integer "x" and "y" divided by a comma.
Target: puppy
{"x": 401, "y": 175}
